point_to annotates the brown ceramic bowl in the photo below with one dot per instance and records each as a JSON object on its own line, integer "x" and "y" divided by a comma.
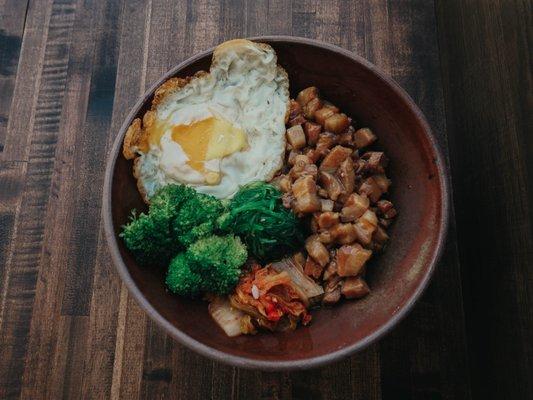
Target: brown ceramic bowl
{"x": 397, "y": 277}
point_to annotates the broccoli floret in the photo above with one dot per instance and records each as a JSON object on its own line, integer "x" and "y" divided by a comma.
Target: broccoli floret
{"x": 149, "y": 238}
{"x": 177, "y": 217}
{"x": 181, "y": 223}
{"x": 203, "y": 230}
{"x": 170, "y": 198}
{"x": 209, "y": 265}
{"x": 196, "y": 218}
{"x": 180, "y": 279}
{"x": 218, "y": 259}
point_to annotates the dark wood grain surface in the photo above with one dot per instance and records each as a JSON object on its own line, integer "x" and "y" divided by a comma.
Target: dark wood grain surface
{"x": 69, "y": 72}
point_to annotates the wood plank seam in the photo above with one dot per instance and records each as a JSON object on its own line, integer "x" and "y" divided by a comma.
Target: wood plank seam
{"x": 90, "y": 153}
{"x": 5, "y": 284}
{"x": 23, "y": 265}
{"x": 42, "y": 148}
{"x": 10, "y": 52}
{"x": 18, "y": 151}
{"x": 122, "y": 314}
{"x": 66, "y": 336}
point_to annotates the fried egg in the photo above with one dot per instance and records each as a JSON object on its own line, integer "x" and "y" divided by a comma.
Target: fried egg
{"x": 214, "y": 131}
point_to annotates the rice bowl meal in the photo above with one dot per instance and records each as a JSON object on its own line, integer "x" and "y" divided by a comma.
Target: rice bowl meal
{"x": 265, "y": 206}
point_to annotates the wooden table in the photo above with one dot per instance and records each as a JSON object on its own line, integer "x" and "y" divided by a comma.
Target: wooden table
{"x": 69, "y": 72}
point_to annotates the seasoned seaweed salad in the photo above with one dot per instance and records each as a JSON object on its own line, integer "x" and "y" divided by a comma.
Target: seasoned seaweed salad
{"x": 258, "y": 216}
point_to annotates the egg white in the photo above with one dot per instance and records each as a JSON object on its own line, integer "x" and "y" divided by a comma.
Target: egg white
{"x": 245, "y": 87}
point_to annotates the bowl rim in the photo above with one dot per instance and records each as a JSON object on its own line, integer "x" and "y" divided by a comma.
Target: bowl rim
{"x": 269, "y": 365}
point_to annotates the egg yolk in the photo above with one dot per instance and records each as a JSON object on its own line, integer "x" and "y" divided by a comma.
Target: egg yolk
{"x": 208, "y": 139}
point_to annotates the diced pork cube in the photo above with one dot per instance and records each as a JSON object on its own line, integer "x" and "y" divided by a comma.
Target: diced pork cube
{"x": 302, "y": 160}
{"x": 365, "y": 227}
{"x": 354, "y": 207}
{"x": 326, "y": 141}
{"x": 346, "y": 174}
{"x": 334, "y": 158}
{"x": 306, "y": 95}
{"x": 294, "y": 109}
{"x": 346, "y": 138}
{"x": 298, "y": 120}
{"x": 332, "y": 185}
{"x": 310, "y": 108}
{"x": 313, "y": 154}
{"x": 337, "y": 123}
{"x": 371, "y": 189}
{"x": 332, "y": 291}
{"x": 300, "y": 170}
{"x": 312, "y": 132}
{"x": 351, "y": 259}
{"x": 344, "y": 233}
{"x": 322, "y": 114}
{"x": 283, "y": 183}
{"x": 317, "y": 250}
{"x": 330, "y": 106}
{"x": 303, "y": 167}
{"x": 364, "y": 137}
{"x": 312, "y": 268}
{"x": 332, "y": 297}
{"x": 354, "y": 288}
{"x": 331, "y": 270}
{"x": 296, "y": 137}
{"x": 305, "y": 198}
{"x": 364, "y": 236}
{"x": 291, "y": 159}
{"x": 287, "y": 200}
{"x": 369, "y": 217}
{"x": 327, "y": 219}
{"x": 376, "y": 161}
{"x": 325, "y": 237}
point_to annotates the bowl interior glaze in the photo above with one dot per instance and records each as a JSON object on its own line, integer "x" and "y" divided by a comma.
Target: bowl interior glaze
{"x": 396, "y": 277}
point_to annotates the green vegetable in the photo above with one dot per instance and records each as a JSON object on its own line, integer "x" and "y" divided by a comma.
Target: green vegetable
{"x": 257, "y": 215}
{"x": 196, "y": 218}
{"x": 181, "y": 279}
{"x": 182, "y": 227}
{"x": 209, "y": 265}
{"x": 177, "y": 217}
{"x": 170, "y": 198}
{"x": 149, "y": 237}
{"x": 219, "y": 259}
